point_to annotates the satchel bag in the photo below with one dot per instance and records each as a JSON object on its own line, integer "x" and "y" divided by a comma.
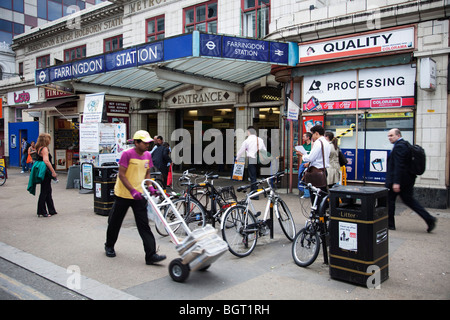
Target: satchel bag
{"x": 264, "y": 157}
{"x": 317, "y": 177}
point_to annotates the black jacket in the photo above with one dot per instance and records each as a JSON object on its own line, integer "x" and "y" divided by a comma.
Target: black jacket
{"x": 397, "y": 165}
{"x": 161, "y": 158}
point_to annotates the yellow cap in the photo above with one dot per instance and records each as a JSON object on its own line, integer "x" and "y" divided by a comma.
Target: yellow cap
{"x": 142, "y": 135}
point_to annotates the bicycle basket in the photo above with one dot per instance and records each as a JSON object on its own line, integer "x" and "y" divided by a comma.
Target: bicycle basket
{"x": 226, "y": 196}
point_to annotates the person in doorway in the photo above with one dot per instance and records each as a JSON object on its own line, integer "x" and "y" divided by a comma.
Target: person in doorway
{"x": 319, "y": 157}
{"x": 32, "y": 153}
{"x": 46, "y": 206}
{"x": 334, "y": 170}
{"x": 304, "y": 192}
{"x": 251, "y": 146}
{"x": 400, "y": 181}
{"x": 23, "y": 160}
{"x": 134, "y": 167}
{"x": 161, "y": 159}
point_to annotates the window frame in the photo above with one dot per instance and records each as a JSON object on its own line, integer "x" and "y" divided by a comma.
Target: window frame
{"x": 111, "y": 39}
{"x": 74, "y": 49}
{"x": 206, "y": 21}
{"x": 156, "y": 33}
{"x": 256, "y": 9}
{"x": 41, "y": 59}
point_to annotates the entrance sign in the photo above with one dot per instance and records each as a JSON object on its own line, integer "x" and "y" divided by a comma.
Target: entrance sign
{"x": 194, "y": 44}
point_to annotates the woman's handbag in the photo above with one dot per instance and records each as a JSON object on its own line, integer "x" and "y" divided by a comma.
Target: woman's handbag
{"x": 29, "y": 159}
{"x": 317, "y": 177}
{"x": 342, "y": 159}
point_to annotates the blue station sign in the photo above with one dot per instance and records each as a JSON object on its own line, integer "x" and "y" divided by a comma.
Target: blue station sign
{"x": 188, "y": 45}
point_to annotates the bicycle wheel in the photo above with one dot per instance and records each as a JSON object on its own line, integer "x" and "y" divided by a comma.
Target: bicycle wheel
{"x": 191, "y": 211}
{"x": 305, "y": 247}
{"x": 2, "y": 176}
{"x": 239, "y": 230}
{"x": 286, "y": 220}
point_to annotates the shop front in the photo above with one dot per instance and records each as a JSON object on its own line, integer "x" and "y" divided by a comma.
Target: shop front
{"x": 357, "y": 87}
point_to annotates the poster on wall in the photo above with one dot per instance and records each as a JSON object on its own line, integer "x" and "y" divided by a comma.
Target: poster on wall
{"x": 311, "y": 121}
{"x": 61, "y": 161}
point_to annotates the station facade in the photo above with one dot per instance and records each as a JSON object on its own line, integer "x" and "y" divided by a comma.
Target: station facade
{"x": 225, "y": 65}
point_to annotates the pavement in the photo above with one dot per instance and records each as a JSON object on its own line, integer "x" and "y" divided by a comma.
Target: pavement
{"x": 68, "y": 249}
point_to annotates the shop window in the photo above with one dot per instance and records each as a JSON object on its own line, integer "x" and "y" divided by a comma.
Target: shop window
{"x": 255, "y": 18}
{"x": 75, "y": 53}
{"x": 18, "y": 114}
{"x": 201, "y": 17}
{"x": 43, "y": 61}
{"x": 155, "y": 28}
{"x": 366, "y": 146}
{"x": 113, "y": 43}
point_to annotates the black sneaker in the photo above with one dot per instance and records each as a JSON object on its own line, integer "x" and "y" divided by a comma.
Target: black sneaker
{"x": 155, "y": 258}
{"x": 110, "y": 252}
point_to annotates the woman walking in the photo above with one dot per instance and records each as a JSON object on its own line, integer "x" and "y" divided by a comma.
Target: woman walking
{"x": 45, "y": 201}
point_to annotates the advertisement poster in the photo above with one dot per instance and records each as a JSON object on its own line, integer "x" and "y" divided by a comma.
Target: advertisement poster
{"x": 87, "y": 176}
{"x": 89, "y": 137}
{"x": 238, "y": 170}
{"x": 311, "y": 121}
{"x": 348, "y": 236}
{"x": 61, "y": 161}
{"x": 93, "y": 108}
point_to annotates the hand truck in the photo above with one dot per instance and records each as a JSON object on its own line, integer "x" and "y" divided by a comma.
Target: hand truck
{"x": 198, "y": 250}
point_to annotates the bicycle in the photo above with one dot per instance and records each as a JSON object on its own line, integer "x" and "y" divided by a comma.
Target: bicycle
{"x": 240, "y": 227}
{"x": 306, "y": 245}
{"x": 202, "y": 203}
{"x": 2, "y": 175}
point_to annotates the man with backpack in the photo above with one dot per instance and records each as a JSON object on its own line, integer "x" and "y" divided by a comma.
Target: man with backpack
{"x": 400, "y": 179}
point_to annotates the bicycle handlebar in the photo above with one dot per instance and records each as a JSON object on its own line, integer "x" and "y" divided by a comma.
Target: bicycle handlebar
{"x": 276, "y": 175}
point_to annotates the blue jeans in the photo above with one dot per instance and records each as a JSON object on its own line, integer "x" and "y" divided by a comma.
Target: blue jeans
{"x": 23, "y": 162}
{"x": 301, "y": 187}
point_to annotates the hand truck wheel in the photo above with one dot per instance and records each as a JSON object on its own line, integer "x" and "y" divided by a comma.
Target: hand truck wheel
{"x": 178, "y": 271}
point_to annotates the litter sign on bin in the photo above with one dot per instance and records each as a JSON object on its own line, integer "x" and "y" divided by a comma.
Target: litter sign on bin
{"x": 348, "y": 236}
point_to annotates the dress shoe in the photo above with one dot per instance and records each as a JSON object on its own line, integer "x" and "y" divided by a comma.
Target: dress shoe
{"x": 45, "y": 215}
{"x": 155, "y": 258}
{"x": 431, "y": 225}
{"x": 110, "y": 252}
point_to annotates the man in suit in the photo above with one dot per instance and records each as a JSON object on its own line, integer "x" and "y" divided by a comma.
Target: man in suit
{"x": 401, "y": 182}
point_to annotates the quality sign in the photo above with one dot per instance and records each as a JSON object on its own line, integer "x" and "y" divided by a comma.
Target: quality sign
{"x": 370, "y": 43}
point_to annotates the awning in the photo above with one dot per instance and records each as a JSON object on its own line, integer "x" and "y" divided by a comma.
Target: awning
{"x": 148, "y": 70}
{"x": 49, "y": 105}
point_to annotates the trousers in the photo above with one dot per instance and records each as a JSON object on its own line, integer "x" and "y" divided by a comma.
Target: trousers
{"x": 406, "y": 194}
{"x": 115, "y": 220}
{"x": 45, "y": 197}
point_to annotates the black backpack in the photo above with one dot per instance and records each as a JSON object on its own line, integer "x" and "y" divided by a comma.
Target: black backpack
{"x": 417, "y": 159}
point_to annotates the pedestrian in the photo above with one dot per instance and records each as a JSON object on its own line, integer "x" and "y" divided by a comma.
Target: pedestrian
{"x": 134, "y": 167}
{"x": 161, "y": 159}
{"x": 251, "y": 146}
{"x": 306, "y": 138}
{"x": 319, "y": 157}
{"x": 334, "y": 170}
{"x": 32, "y": 153}
{"x": 400, "y": 181}
{"x": 23, "y": 160}
{"x": 46, "y": 207}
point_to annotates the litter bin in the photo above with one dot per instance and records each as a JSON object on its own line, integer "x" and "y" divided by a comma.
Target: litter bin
{"x": 359, "y": 234}
{"x": 104, "y": 180}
